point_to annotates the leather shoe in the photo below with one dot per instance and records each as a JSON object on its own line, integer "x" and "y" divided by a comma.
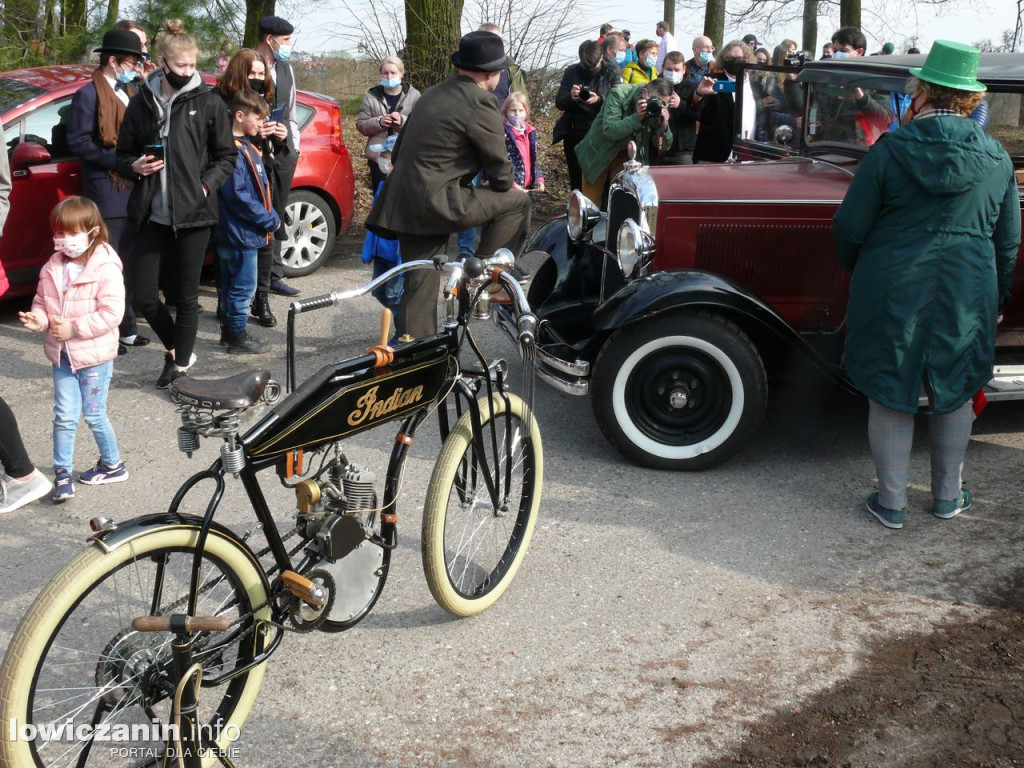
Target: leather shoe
{"x": 260, "y": 309}
{"x": 281, "y": 288}
{"x": 134, "y": 341}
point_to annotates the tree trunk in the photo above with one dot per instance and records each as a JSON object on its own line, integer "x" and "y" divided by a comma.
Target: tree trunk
{"x": 75, "y": 16}
{"x": 432, "y": 32}
{"x": 669, "y": 15}
{"x": 113, "y": 11}
{"x": 810, "y": 31}
{"x": 714, "y": 22}
{"x": 254, "y": 11}
{"x": 849, "y": 13}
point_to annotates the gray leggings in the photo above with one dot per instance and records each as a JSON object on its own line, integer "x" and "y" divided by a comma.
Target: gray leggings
{"x": 891, "y": 435}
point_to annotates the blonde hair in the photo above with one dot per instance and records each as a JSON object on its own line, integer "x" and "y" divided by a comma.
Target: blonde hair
{"x": 392, "y": 60}
{"x": 176, "y": 40}
{"x": 516, "y": 98}
{"x": 79, "y": 214}
{"x": 940, "y": 97}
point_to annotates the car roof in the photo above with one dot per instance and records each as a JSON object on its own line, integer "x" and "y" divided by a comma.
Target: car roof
{"x": 999, "y": 71}
{"x": 51, "y": 77}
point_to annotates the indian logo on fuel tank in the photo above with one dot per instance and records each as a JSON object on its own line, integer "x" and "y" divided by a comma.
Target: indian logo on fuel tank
{"x": 370, "y": 408}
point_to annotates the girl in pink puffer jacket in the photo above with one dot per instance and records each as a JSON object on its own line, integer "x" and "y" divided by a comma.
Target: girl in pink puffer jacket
{"x": 79, "y": 303}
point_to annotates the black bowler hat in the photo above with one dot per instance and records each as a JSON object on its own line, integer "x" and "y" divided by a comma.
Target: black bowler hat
{"x": 481, "y": 52}
{"x": 275, "y": 25}
{"x": 121, "y": 41}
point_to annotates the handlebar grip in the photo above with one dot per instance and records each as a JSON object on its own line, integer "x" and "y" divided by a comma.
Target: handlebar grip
{"x": 192, "y": 623}
{"x": 316, "y": 302}
{"x": 473, "y": 267}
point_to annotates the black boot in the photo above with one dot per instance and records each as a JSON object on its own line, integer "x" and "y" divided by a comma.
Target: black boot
{"x": 260, "y": 309}
{"x": 245, "y": 343}
{"x": 225, "y": 336}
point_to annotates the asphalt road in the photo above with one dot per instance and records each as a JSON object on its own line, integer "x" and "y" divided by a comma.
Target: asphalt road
{"x": 658, "y": 618}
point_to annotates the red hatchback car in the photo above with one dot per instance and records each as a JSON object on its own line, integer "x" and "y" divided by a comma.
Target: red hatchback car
{"x": 34, "y": 106}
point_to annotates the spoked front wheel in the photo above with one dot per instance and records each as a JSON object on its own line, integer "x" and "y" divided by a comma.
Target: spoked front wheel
{"x": 473, "y": 547}
{"x": 78, "y": 684}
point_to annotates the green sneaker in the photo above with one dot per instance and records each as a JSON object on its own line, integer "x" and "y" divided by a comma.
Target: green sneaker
{"x": 890, "y": 518}
{"x": 950, "y": 509}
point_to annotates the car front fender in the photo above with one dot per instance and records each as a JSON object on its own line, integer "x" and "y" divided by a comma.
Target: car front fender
{"x": 665, "y": 292}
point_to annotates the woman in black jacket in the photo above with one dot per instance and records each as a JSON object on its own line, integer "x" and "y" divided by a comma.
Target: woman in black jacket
{"x": 175, "y": 144}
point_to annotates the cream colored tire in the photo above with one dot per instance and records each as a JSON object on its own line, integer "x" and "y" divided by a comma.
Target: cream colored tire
{"x": 471, "y": 552}
{"x": 88, "y": 577}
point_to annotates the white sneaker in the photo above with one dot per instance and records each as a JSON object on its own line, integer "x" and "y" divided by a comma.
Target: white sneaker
{"x": 14, "y": 494}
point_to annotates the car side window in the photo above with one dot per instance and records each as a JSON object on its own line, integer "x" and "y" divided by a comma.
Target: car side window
{"x": 303, "y": 114}
{"x": 48, "y": 126}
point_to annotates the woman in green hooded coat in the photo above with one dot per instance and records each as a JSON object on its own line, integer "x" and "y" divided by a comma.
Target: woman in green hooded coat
{"x": 930, "y": 229}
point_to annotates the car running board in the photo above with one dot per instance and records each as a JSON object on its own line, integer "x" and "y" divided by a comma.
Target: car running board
{"x": 1007, "y": 383}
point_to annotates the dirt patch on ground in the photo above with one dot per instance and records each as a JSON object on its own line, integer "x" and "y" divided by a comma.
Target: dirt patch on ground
{"x": 954, "y": 697}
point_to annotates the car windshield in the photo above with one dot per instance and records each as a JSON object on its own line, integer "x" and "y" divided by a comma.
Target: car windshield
{"x": 13, "y": 93}
{"x": 851, "y": 114}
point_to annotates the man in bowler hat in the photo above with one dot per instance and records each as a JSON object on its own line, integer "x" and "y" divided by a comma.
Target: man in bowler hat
{"x": 93, "y": 125}
{"x": 454, "y": 132}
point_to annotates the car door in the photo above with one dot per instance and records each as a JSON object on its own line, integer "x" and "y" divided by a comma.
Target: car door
{"x": 39, "y": 180}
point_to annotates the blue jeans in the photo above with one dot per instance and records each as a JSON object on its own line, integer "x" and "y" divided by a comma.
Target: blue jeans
{"x": 389, "y": 294}
{"x": 467, "y": 237}
{"x": 237, "y": 284}
{"x": 77, "y": 393}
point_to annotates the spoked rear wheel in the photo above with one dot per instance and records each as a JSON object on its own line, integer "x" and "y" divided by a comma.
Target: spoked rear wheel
{"x": 472, "y": 548}
{"x": 75, "y": 658}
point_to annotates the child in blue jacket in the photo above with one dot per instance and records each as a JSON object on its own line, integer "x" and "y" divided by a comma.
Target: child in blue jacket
{"x": 247, "y": 222}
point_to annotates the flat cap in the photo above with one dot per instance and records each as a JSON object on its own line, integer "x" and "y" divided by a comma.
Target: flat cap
{"x": 275, "y": 25}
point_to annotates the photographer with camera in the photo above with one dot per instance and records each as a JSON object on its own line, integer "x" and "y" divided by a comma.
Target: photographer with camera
{"x": 718, "y": 109}
{"x": 580, "y": 96}
{"x": 630, "y": 112}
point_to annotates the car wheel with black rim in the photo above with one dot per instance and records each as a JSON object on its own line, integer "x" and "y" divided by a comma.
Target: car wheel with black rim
{"x": 683, "y": 391}
{"x": 311, "y": 230}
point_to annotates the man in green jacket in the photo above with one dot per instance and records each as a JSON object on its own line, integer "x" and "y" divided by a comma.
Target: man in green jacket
{"x": 624, "y": 117}
{"x": 930, "y": 229}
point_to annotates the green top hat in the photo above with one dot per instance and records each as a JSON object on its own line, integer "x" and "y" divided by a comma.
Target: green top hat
{"x": 952, "y": 65}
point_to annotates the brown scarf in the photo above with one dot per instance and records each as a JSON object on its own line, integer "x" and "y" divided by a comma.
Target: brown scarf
{"x": 109, "y": 115}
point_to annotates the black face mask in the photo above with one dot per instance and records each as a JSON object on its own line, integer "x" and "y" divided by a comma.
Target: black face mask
{"x": 176, "y": 81}
{"x": 732, "y": 66}
{"x": 258, "y": 85}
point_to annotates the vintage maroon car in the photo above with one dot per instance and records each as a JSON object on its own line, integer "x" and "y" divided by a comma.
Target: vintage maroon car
{"x": 34, "y": 105}
{"x": 671, "y": 308}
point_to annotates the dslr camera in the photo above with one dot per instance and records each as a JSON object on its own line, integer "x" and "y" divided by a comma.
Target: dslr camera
{"x": 585, "y": 93}
{"x": 654, "y": 108}
{"x": 797, "y": 58}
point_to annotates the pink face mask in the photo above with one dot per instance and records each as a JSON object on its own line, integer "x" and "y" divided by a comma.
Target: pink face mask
{"x": 74, "y": 245}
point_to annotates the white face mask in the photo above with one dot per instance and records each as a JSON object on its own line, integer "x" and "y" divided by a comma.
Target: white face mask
{"x": 74, "y": 245}
{"x": 673, "y": 77}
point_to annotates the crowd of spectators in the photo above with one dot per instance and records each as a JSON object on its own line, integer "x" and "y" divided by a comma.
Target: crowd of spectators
{"x": 157, "y": 180}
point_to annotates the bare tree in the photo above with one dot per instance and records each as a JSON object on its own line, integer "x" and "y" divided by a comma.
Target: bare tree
{"x": 534, "y": 31}
{"x": 1017, "y": 40}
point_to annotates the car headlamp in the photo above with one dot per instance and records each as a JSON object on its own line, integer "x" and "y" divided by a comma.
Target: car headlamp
{"x": 633, "y": 247}
{"x": 581, "y": 215}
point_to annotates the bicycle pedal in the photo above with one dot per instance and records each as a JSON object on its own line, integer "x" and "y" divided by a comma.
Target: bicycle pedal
{"x": 304, "y": 589}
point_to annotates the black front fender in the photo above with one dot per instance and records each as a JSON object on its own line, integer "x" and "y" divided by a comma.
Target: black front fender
{"x": 691, "y": 289}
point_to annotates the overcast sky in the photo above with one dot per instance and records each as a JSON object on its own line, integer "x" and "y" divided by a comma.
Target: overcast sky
{"x": 899, "y": 21}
